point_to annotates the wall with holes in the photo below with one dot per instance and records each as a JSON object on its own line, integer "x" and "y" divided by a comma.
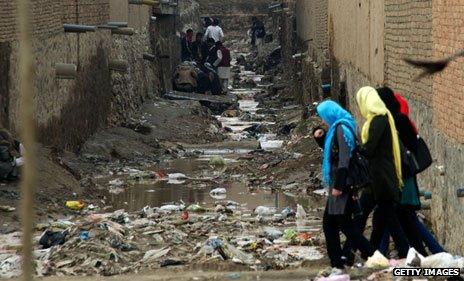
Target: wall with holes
{"x": 68, "y": 111}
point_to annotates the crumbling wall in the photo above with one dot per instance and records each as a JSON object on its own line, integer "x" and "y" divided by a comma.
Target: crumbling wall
{"x": 234, "y": 15}
{"x": 68, "y": 111}
{"x": 356, "y": 47}
{"x": 368, "y": 40}
{"x": 312, "y": 31}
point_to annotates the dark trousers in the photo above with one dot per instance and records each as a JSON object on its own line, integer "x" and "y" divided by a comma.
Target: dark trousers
{"x": 363, "y": 209}
{"x": 415, "y": 233}
{"x": 385, "y": 217}
{"x": 333, "y": 225}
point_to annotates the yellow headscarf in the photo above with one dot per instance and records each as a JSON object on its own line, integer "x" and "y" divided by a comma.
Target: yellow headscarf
{"x": 370, "y": 105}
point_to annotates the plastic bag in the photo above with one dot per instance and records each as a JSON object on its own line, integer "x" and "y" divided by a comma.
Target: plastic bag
{"x": 414, "y": 258}
{"x": 377, "y": 260}
{"x": 441, "y": 260}
{"x": 75, "y": 205}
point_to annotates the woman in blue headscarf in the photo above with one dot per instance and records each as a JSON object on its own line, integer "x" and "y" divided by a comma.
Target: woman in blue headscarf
{"x": 339, "y": 144}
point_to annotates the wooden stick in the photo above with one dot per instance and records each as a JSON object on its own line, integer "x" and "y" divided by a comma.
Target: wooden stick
{"x": 28, "y": 134}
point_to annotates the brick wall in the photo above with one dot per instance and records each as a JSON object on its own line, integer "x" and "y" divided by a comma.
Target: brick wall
{"x": 45, "y": 18}
{"x": 69, "y": 111}
{"x": 235, "y": 15}
{"x": 408, "y": 28}
{"x": 312, "y": 32}
{"x": 448, "y": 101}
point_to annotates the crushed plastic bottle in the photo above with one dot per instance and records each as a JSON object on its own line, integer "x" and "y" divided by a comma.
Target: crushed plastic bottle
{"x": 300, "y": 218}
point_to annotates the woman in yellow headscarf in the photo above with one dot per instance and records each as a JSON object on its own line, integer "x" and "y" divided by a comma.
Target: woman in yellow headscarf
{"x": 381, "y": 146}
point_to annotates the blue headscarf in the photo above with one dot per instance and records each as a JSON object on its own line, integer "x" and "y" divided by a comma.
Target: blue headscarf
{"x": 333, "y": 114}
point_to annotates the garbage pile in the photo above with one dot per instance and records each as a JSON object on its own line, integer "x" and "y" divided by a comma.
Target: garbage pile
{"x": 172, "y": 235}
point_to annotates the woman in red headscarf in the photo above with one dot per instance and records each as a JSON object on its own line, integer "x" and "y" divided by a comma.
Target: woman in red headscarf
{"x": 404, "y": 108}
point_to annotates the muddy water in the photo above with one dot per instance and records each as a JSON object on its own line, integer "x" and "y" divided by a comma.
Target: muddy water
{"x": 202, "y": 177}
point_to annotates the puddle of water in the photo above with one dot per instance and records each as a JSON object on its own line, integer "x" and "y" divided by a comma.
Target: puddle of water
{"x": 139, "y": 196}
{"x": 220, "y": 151}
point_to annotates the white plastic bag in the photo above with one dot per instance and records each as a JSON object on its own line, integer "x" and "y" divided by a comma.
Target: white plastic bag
{"x": 440, "y": 260}
{"x": 413, "y": 258}
{"x": 377, "y": 260}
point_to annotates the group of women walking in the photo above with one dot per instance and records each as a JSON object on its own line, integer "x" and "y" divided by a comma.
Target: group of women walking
{"x": 392, "y": 193}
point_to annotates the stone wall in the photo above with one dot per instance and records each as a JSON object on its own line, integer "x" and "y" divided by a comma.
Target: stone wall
{"x": 68, "y": 111}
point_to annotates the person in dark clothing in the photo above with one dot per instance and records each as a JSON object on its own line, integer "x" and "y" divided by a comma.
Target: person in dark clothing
{"x": 208, "y": 81}
{"x": 381, "y": 147}
{"x": 186, "y": 46}
{"x": 339, "y": 143}
{"x": 197, "y": 52}
{"x": 258, "y": 32}
{"x": 410, "y": 200}
{"x": 11, "y": 156}
{"x": 212, "y": 51}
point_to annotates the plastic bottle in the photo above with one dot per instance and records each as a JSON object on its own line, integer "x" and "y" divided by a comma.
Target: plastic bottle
{"x": 300, "y": 218}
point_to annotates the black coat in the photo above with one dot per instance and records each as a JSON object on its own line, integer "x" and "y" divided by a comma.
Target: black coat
{"x": 378, "y": 149}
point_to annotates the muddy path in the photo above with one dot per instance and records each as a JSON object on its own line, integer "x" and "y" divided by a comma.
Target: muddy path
{"x": 182, "y": 188}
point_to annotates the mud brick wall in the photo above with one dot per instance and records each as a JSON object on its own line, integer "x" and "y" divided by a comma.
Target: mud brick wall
{"x": 235, "y": 15}
{"x": 448, "y": 122}
{"x": 312, "y": 31}
{"x": 408, "y": 30}
{"x": 69, "y": 111}
{"x": 367, "y": 43}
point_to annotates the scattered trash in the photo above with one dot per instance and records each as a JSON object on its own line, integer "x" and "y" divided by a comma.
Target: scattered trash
{"x": 290, "y": 234}
{"x": 344, "y": 277}
{"x": 172, "y": 208}
{"x": 75, "y": 205}
{"x": 300, "y": 218}
{"x": 308, "y": 253}
{"x": 10, "y": 265}
{"x": 220, "y": 190}
{"x": 442, "y": 260}
{"x": 272, "y": 233}
{"x": 116, "y": 182}
{"x": 177, "y": 176}
{"x": 265, "y": 211}
{"x": 184, "y": 216}
{"x": 171, "y": 262}
{"x": 84, "y": 235}
{"x": 196, "y": 208}
{"x": 7, "y": 209}
{"x": 413, "y": 258}
{"x": 217, "y": 161}
{"x": 153, "y": 255}
{"x": 50, "y": 238}
{"x": 234, "y": 275}
{"x": 141, "y": 175}
{"x": 377, "y": 261}
{"x": 287, "y": 213}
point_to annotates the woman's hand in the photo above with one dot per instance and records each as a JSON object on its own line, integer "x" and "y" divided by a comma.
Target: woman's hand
{"x": 319, "y": 133}
{"x": 336, "y": 192}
